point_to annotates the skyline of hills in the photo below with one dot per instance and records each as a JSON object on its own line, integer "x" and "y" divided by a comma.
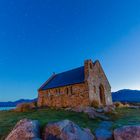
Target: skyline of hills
{"x": 124, "y": 95}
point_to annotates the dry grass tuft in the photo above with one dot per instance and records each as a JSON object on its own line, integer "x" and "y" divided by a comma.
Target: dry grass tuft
{"x": 24, "y": 107}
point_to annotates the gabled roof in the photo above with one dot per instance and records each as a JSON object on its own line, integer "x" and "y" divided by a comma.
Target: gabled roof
{"x": 71, "y": 77}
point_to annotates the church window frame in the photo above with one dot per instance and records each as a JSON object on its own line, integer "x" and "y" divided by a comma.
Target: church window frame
{"x": 94, "y": 88}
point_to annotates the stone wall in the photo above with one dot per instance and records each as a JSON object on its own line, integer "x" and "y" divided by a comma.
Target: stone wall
{"x": 68, "y": 96}
{"x": 96, "y": 87}
{"x": 96, "y": 79}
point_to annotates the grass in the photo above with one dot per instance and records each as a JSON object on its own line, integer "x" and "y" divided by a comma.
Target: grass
{"x": 8, "y": 119}
{"x": 126, "y": 116}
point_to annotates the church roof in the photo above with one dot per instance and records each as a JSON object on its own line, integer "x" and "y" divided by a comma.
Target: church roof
{"x": 70, "y": 77}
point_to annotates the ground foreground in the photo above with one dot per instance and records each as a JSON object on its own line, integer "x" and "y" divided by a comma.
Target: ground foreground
{"x": 8, "y": 119}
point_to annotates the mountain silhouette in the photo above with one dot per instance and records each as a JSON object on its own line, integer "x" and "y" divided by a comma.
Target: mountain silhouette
{"x": 126, "y": 95}
{"x": 15, "y": 103}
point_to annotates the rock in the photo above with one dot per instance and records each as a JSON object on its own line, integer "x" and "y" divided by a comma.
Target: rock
{"x": 78, "y": 109}
{"x": 109, "y": 109}
{"x": 100, "y": 110}
{"x": 66, "y": 130}
{"x": 25, "y": 129}
{"x": 103, "y": 132}
{"x": 106, "y": 124}
{"x": 101, "y": 116}
{"x": 91, "y": 112}
{"x": 68, "y": 109}
{"x": 127, "y": 133}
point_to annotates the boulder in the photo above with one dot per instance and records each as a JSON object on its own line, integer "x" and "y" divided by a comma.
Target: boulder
{"x": 100, "y": 110}
{"x": 104, "y": 132}
{"x": 66, "y": 130}
{"x": 78, "y": 109}
{"x": 109, "y": 109}
{"x": 25, "y": 130}
{"x": 91, "y": 112}
{"x": 127, "y": 133}
{"x": 106, "y": 124}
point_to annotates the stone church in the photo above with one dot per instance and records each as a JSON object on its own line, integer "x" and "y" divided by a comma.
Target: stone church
{"x": 80, "y": 86}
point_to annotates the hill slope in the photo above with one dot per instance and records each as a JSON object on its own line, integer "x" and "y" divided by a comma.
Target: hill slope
{"x": 126, "y": 95}
{"x": 13, "y": 104}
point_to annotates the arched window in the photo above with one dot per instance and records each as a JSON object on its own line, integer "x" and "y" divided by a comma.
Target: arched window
{"x": 90, "y": 65}
{"x": 102, "y": 94}
{"x": 51, "y": 97}
{"x": 67, "y": 91}
{"x": 71, "y": 91}
{"x": 42, "y": 101}
{"x": 59, "y": 90}
{"x": 94, "y": 89}
{"x": 56, "y": 91}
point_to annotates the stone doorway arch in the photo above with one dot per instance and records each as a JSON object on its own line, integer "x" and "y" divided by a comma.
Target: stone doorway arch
{"x": 102, "y": 94}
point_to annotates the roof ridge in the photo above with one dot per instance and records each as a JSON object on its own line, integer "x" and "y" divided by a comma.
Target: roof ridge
{"x": 69, "y": 77}
{"x": 69, "y": 70}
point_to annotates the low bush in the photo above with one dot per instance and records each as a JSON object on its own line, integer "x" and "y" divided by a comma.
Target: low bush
{"x": 95, "y": 104}
{"x": 24, "y": 107}
{"x": 120, "y": 105}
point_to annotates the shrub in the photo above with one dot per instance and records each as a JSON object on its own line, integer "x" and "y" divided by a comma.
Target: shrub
{"x": 95, "y": 104}
{"x": 120, "y": 105}
{"x": 24, "y": 107}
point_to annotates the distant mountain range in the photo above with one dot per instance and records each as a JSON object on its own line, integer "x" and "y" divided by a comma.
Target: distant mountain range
{"x": 13, "y": 104}
{"x": 125, "y": 95}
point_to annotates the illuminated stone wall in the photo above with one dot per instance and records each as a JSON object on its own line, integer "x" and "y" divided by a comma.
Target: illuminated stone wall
{"x": 96, "y": 87}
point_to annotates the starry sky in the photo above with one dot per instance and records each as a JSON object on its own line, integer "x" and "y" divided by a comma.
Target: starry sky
{"x": 39, "y": 37}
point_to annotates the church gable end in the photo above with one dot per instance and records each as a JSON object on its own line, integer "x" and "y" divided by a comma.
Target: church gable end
{"x": 98, "y": 84}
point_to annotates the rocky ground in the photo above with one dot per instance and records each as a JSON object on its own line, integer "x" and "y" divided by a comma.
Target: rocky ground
{"x": 67, "y": 130}
{"x": 111, "y": 124}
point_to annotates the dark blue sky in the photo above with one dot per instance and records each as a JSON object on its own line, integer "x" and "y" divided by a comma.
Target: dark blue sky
{"x": 41, "y": 37}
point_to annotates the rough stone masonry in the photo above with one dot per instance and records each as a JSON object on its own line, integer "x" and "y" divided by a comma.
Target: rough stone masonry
{"x": 80, "y": 86}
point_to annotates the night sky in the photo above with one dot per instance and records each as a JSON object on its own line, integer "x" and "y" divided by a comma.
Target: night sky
{"x": 39, "y": 37}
